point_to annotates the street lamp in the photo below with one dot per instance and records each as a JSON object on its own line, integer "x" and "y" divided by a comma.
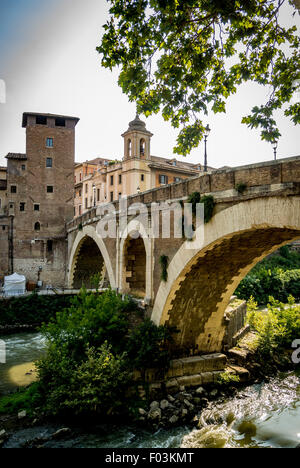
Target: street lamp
{"x": 275, "y": 146}
{"x": 206, "y": 135}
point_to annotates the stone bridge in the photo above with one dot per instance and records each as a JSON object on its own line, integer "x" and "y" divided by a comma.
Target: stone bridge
{"x": 245, "y": 228}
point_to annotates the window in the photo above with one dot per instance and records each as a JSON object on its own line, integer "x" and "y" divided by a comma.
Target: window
{"x": 13, "y": 189}
{"x": 163, "y": 179}
{"x": 49, "y": 143}
{"x": 22, "y": 206}
{"x": 112, "y": 180}
{"x": 41, "y": 120}
{"x": 79, "y": 210}
{"x": 50, "y": 246}
{"x": 3, "y": 228}
{"x": 80, "y": 193}
{"x": 177, "y": 179}
{"x": 86, "y": 188}
{"x": 111, "y": 196}
{"x": 142, "y": 177}
{"x": 50, "y": 189}
{"x": 120, "y": 178}
{"x": 129, "y": 148}
{"x": 60, "y": 122}
{"x": 36, "y": 207}
{"x": 98, "y": 195}
{"x": 37, "y": 226}
{"x": 23, "y": 167}
{"x": 142, "y": 147}
{"x": 86, "y": 203}
{"x": 49, "y": 162}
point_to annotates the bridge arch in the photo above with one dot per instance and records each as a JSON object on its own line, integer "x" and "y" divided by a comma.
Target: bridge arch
{"x": 88, "y": 245}
{"x": 141, "y": 248}
{"x": 201, "y": 282}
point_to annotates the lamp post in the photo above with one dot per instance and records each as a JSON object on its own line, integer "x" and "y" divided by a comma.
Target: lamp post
{"x": 275, "y": 146}
{"x": 206, "y": 135}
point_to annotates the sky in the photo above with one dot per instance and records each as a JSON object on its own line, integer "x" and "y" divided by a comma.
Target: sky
{"x": 49, "y": 64}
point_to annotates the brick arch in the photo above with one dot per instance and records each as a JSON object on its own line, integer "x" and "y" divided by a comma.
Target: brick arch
{"x": 201, "y": 282}
{"x": 143, "y": 242}
{"x": 89, "y": 243}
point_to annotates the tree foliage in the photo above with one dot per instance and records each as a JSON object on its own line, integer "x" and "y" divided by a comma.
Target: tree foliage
{"x": 187, "y": 57}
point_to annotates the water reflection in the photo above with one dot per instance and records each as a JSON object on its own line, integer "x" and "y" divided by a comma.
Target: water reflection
{"x": 21, "y": 350}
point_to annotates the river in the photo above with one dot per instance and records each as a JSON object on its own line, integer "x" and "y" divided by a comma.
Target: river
{"x": 264, "y": 415}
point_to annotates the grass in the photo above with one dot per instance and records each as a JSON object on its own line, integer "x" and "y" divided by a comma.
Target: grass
{"x": 24, "y": 399}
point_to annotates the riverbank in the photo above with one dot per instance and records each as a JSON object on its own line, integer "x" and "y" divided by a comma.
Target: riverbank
{"x": 256, "y": 416}
{"x": 184, "y": 409}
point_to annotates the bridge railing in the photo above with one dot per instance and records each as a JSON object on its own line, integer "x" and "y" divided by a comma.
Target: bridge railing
{"x": 271, "y": 173}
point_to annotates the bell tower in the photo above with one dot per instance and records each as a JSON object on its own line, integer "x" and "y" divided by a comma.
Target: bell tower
{"x": 137, "y": 140}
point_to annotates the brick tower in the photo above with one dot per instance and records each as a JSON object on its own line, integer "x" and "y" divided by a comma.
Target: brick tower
{"x": 40, "y": 190}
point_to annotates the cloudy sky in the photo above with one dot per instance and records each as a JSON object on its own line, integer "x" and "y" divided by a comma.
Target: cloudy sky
{"x": 49, "y": 64}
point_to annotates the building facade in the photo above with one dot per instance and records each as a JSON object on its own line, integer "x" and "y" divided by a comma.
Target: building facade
{"x": 42, "y": 189}
{"x": 103, "y": 180}
{"x": 37, "y": 200}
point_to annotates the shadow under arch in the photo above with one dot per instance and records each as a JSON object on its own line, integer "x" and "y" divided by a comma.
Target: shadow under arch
{"x": 201, "y": 283}
{"x": 136, "y": 261}
{"x": 88, "y": 257}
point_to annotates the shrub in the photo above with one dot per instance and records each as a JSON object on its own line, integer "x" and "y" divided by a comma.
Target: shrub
{"x": 90, "y": 350}
{"x": 94, "y": 385}
{"x": 277, "y": 276}
{"x": 31, "y": 310}
{"x": 91, "y": 320}
{"x": 278, "y": 327}
{"x": 148, "y": 346}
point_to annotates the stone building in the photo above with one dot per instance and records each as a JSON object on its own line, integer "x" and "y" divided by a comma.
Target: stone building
{"x": 37, "y": 200}
{"x": 104, "y": 180}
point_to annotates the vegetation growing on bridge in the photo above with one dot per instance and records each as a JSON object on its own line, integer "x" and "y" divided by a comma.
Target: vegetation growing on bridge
{"x": 277, "y": 276}
{"x": 164, "y": 262}
{"x": 208, "y": 202}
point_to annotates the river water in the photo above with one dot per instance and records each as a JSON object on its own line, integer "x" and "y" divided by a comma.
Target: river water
{"x": 264, "y": 415}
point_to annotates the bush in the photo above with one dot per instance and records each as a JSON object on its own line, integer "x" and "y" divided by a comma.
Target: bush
{"x": 91, "y": 320}
{"x": 95, "y": 385}
{"x": 31, "y": 310}
{"x": 148, "y": 346}
{"x": 91, "y": 350}
{"x": 277, "y": 276}
{"x": 278, "y": 328}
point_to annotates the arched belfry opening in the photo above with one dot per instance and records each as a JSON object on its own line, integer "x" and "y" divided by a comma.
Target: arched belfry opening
{"x": 134, "y": 266}
{"x": 89, "y": 262}
{"x": 129, "y": 148}
{"x": 142, "y": 148}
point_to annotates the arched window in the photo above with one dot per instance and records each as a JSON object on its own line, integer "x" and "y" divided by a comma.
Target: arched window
{"x": 129, "y": 148}
{"x": 37, "y": 227}
{"x": 142, "y": 147}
